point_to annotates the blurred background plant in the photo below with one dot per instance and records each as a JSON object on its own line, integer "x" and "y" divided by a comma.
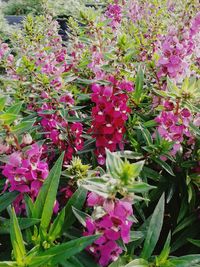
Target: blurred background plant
{"x": 60, "y": 7}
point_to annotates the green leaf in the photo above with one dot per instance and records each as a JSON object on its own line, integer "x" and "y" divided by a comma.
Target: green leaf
{"x": 164, "y": 165}
{"x": 23, "y": 127}
{"x": 24, "y": 223}
{"x": 136, "y": 168}
{"x": 56, "y": 227}
{"x": 183, "y": 210}
{"x": 151, "y": 123}
{"x": 186, "y": 261}
{"x": 195, "y": 129}
{"x": 37, "y": 261}
{"x": 8, "y": 263}
{"x": 16, "y": 239}
{"x": 194, "y": 242}
{"x": 129, "y": 154}
{"x": 7, "y": 198}
{"x": 81, "y": 216}
{"x": 137, "y": 263}
{"x": 154, "y": 229}
{"x": 8, "y": 118}
{"x": 69, "y": 249}
{"x": 113, "y": 163}
{"x": 184, "y": 223}
{"x": 15, "y": 109}
{"x": 140, "y": 187}
{"x": 87, "y": 259}
{"x": 136, "y": 235}
{"x": 29, "y": 205}
{"x": 152, "y": 174}
{"x": 76, "y": 201}
{"x": 146, "y": 135}
{"x": 190, "y": 232}
{"x": 73, "y": 262}
{"x": 139, "y": 86}
{"x": 43, "y": 206}
{"x": 2, "y": 103}
{"x": 121, "y": 262}
{"x": 162, "y": 258}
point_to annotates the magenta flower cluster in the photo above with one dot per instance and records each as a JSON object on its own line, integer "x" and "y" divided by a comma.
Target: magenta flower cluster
{"x": 175, "y": 55}
{"x": 4, "y": 49}
{"x": 64, "y": 135}
{"x": 173, "y": 125}
{"x": 177, "y": 49}
{"x": 5, "y": 54}
{"x": 53, "y": 62}
{"x": 114, "y": 12}
{"x": 109, "y": 115}
{"x": 25, "y": 172}
{"x": 113, "y": 226}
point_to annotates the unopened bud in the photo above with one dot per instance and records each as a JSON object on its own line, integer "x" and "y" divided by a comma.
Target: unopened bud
{"x": 27, "y": 139}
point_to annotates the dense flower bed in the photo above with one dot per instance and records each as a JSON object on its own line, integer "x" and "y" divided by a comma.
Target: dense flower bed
{"x": 100, "y": 138}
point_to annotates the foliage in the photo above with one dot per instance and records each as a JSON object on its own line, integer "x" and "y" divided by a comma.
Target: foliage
{"x": 100, "y": 138}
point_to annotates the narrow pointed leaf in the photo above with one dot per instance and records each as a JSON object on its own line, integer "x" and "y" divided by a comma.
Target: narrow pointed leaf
{"x": 16, "y": 239}
{"x": 24, "y": 126}
{"x": 164, "y": 165}
{"x": 57, "y": 225}
{"x": 8, "y": 264}
{"x": 154, "y": 229}
{"x": 24, "y": 223}
{"x": 43, "y": 207}
{"x": 66, "y": 250}
{"x": 113, "y": 163}
{"x": 186, "y": 261}
{"x": 194, "y": 242}
{"x": 162, "y": 258}
{"x": 77, "y": 201}
{"x": 137, "y": 263}
{"x": 7, "y": 198}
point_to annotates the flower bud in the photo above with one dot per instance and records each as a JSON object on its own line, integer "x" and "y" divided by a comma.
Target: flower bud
{"x": 27, "y": 139}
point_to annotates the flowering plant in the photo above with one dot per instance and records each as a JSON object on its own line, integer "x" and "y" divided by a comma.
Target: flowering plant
{"x": 100, "y": 139}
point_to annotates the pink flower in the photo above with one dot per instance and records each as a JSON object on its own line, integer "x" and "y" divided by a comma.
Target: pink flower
{"x": 173, "y": 125}
{"x": 114, "y": 12}
{"x": 4, "y": 49}
{"x": 109, "y": 116}
{"x": 175, "y": 50}
{"x": 94, "y": 200}
{"x": 195, "y": 28}
{"x": 115, "y": 224}
{"x": 57, "y": 128}
{"x": 25, "y": 173}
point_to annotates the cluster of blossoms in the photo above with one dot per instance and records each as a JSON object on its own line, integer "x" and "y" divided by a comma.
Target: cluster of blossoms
{"x": 47, "y": 54}
{"x": 97, "y": 61}
{"x": 173, "y": 125}
{"x": 49, "y": 59}
{"x": 114, "y": 12}
{"x": 174, "y": 61}
{"x": 109, "y": 115}
{"x": 134, "y": 11}
{"x": 53, "y": 63}
{"x": 138, "y": 10}
{"x": 112, "y": 226}
{"x": 5, "y": 54}
{"x": 195, "y": 36}
{"x": 25, "y": 173}
{"x": 64, "y": 135}
{"x": 4, "y": 49}
{"x": 177, "y": 49}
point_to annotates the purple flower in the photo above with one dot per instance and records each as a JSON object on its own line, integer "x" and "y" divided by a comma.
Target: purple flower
{"x": 113, "y": 226}
{"x": 25, "y": 173}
